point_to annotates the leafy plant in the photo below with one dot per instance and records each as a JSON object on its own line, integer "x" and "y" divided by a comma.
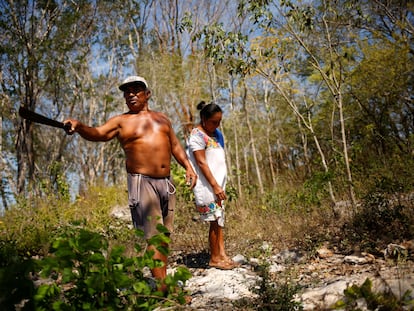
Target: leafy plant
{"x": 378, "y": 214}
{"x": 15, "y": 284}
{"x": 314, "y": 189}
{"x": 32, "y": 224}
{"x": 374, "y": 301}
{"x": 85, "y": 274}
{"x": 183, "y": 190}
{"x": 276, "y": 296}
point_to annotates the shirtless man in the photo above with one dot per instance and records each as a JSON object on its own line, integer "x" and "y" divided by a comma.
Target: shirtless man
{"x": 148, "y": 141}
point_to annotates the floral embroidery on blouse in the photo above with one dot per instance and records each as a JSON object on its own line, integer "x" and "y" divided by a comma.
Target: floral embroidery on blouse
{"x": 211, "y": 142}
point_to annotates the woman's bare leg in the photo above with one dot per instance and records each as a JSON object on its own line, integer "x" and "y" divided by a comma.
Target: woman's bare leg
{"x": 213, "y": 241}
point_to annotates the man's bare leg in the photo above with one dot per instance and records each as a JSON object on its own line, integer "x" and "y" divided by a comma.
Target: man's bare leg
{"x": 161, "y": 272}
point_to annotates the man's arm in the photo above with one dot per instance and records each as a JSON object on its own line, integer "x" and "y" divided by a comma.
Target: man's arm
{"x": 101, "y": 133}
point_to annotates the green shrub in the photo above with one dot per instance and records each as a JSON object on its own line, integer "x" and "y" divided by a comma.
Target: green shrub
{"x": 275, "y": 296}
{"x": 33, "y": 224}
{"x": 15, "y": 282}
{"x": 88, "y": 275}
{"x": 381, "y": 220}
{"x": 183, "y": 191}
{"x": 315, "y": 189}
{"x": 83, "y": 272}
{"x": 374, "y": 301}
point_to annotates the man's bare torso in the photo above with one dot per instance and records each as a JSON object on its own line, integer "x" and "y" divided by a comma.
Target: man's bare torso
{"x": 145, "y": 138}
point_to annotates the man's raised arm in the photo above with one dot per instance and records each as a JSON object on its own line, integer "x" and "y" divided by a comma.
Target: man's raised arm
{"x": 101, "y": 133}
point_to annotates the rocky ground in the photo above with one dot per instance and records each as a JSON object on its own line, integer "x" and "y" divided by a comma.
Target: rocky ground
{"x": 322, "y": 279}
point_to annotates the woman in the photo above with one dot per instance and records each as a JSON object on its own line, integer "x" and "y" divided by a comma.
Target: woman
{"x": 206, "y": 153}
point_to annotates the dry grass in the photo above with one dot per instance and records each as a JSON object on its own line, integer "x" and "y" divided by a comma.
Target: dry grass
{"x": 280, "y": 221}
{"x": 249, "y": 226}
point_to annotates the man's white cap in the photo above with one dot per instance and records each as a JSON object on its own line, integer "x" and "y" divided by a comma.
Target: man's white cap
{"x": 132, "y": 80}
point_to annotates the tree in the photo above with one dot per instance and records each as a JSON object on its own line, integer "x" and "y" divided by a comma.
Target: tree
{"x": 38, "y": 39}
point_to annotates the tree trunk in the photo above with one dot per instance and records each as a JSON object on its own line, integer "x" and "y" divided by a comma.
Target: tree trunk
{"x": 345, "y": 151}
{"x": 307, "y": 122}
{"x": 252, "y": 142}
{"x": 2, "y": 170}
{"x": 269, "y": 130}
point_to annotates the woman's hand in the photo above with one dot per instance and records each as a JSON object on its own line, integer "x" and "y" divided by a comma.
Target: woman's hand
{"x": 220, "y": 194}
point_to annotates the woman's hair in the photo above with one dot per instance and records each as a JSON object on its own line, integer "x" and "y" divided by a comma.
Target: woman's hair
{"x": 208, "y": 110}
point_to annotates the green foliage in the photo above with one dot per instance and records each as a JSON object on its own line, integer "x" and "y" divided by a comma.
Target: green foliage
{"x": 88, "y": 275}
{"x": 226, "y": 47}
{"x": 276, "y": 296}
{"x": 374, "y": 301}
{"x": 272, "y": 200}
{"x": 29, "y": 229}
{"x": 84, "y": 265}
{"x": 183, "y": 190}
{"x": 231, "y": 192}
{"x": 186, "y": 23}
{"x": 54, "y": 183}
{"x": 260, "y": 14}
{"x": 61, "y": 183}
{"x": 303, "y": 16}
{"x": 15, "y": 284}
{"x": 32, "y": 224}
{"x": 315, "y": 188}
{"x": 384, "y": 216}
